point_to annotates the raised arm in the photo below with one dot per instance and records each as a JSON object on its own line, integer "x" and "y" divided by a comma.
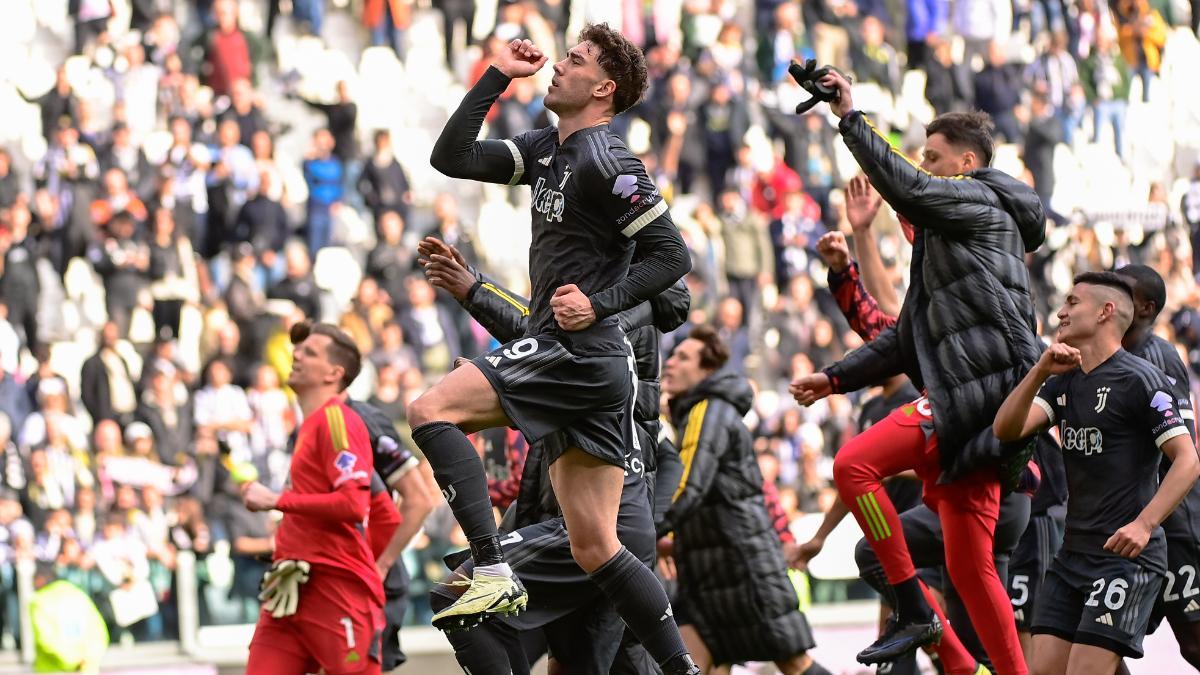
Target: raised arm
{"x": 458, "y": 153}
{"x": 1032, "y": 405}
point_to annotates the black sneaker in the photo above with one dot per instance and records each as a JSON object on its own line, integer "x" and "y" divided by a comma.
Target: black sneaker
{"x": 899, "y": 639}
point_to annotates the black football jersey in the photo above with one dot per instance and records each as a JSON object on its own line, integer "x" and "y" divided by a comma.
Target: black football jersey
{"x": 1112, "y": 422}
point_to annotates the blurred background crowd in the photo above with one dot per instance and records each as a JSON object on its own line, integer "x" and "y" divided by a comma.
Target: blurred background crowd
{"x": 181, "y": 181}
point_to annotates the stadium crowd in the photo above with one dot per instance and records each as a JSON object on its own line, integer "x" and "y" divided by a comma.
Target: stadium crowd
{"x": 181, "y": 182}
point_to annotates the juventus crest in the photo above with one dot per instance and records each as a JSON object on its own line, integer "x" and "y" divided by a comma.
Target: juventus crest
{"x": 1102, "y": 398}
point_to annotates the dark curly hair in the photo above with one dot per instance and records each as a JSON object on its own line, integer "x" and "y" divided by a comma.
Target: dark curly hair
{"x": 970, "y": 130}
{"x": 621, "y": 60}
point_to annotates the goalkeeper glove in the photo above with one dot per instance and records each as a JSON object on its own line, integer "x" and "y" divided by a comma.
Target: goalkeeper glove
{"x": 280, "y": 588}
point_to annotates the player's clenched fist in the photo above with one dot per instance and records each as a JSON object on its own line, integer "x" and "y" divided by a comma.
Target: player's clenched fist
{"x": 572, "y": 309}
{"x": 810, "y": 388}
{"x": 1058, "y": 359}
{"x": 521, "y": 58}
{"x": 834, "y": 251}
{"x": 1130, "y": 540}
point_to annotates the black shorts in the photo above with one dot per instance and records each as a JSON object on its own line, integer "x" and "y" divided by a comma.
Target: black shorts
{"x": 1099, "y": 600}
{"x": 1180, "y": 598}
{"x": 545, "y": 388}
{"x": 1036, "y": 550}
{"x": 395, "y": 606}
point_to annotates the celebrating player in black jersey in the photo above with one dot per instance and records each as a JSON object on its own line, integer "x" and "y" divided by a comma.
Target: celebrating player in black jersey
{"x": 1115, "y": 413}
{"x": 569, "y": 382}
{"x": 1179, "y": 602}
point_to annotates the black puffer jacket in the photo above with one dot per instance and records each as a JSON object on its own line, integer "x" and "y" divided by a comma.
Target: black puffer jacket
{"x": 966, "y": 332}
{"x": 732, "y": 573}
{"x": 504, "y": 314}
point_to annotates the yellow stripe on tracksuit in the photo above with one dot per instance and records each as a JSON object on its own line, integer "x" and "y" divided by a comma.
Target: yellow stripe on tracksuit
{"x": 337, "y": 428}
{"x": 906, "y": 157}
{"x": 691, "y": 439}
{"x": 874, "y": 516}
{"x": 507, "y": 298}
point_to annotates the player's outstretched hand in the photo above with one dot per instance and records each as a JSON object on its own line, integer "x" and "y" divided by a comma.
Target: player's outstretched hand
{"x": 1059, "y": 358}
{"x": 430, "y": 246}
{"x": 572, "y": 309}
{"x": 810, "y": 388}
{"x": 447, "y": 274}
{"x": 834, "y": 251}
{"x": 799, "y": 557}
{"x": 862, "y": 203}
{"x": 258, "y": 497}
{"x": 1130, "y": 540}
{"x": 844, "y": 105}
{"x": 521, "y": 58}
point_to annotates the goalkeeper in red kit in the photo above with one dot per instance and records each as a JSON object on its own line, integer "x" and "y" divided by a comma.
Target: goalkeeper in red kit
{"x": 323, "y": 598}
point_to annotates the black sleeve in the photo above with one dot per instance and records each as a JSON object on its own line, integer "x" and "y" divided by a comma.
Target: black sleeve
{"x": 459, "y": 154}
{"x": 665, "y": 260}
{"x": 671, "y": 307}
{"x": 705, "y": 441}
{"x": 501, "y": 312}
{"x": 868, "y": 365}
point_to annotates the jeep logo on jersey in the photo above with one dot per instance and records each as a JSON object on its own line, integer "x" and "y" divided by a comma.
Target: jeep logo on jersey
{"x": 1161, "y": 402}
{"x": 625, "y": 186}
{"x": 1087, "y": 440}
{"x": 550, "y": 203}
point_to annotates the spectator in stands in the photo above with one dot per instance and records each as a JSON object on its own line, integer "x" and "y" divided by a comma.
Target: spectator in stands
{"x": 228, "y": 53}
{"x": 122, "y": 260}
{"x": 118, "y": 197}
{"x": 876, "y": 61}
{"x": 68, "y": 171}
{"x": 1043, "y": 135}
{"x": 221, "y": 407}
{"x": 1142, "y": 34}
{"x": 1056, "y": 74}
{"x": 106, "y": 381}
{"x": 274, "y": 421}
{"x": 20, "y": 288}
{"x": 826, "y": 22}
{"x": 366, "y": 316}
{"x": 232, "y": 350}
{"x": 56, "y": 105}
{"x": 252, "y": 540}
{"x": 310, "y": 14}
{"x": 172, "y": 273}
{"x": 244, "y": 297}
{"x": 1190, "y": 208}
{"x": 429, "y": 328}
{"x": 387, "y": 21}
{"x": 232, "y": 178}
{"x": 384, "y": 184}
{"x": 122, "y": 154}
{"x": 245, "y": 110}
{"x": 730, "y": 325}
{"x": 449, "y": 227}
{"x": 1105, "y": 78}
{"x": 10, "y": 182}
{"x": 168, "y": 415}
{"x": 342, "y": 121}
{"x": 187, "y": 163}
{"x": 794, "y": 235}
{"x": 749, "y": 258}
{"x": 263, "y": 223}
{"x": 724, "y": 121}
{"x": 981, "y": 23}
{"x": 324, "y": 172}
{"x": 998, "y": 92}
{"x": 297, "y": 284}
{"x": 392, "y": 350}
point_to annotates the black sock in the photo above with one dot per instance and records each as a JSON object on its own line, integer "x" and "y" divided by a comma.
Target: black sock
{"x": 460, "y": 475}
{"x": 911, "y": 606}
{"x": 491, "y": 648}
{"x": 642, "y": 603}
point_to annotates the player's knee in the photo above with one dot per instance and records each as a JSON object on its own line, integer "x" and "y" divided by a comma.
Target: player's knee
{"x": 590, "y": 555}
{"x": 865, "y": 558}
{"x": 848, "y": 475}
{"x": 424, "y": 410}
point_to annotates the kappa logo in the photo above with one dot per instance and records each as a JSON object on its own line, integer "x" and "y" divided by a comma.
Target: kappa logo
{"x": 545, "y": 161}
{"x": 1161, "y": 402}
{"x": 1105, "y": 618}
{"x": 625, "y": 186}
{"x": 1102, "y": 398}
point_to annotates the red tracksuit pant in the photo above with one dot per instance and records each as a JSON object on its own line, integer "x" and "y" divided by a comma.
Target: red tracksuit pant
{"x": 968, "y": 509}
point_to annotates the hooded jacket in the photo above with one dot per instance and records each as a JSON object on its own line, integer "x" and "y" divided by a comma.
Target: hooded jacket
{"x": 731, "y": 565}
{"x": 966, "y": 332}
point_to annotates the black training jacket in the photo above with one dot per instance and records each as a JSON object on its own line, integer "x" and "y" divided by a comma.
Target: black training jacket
{"x": 966, "y": 332}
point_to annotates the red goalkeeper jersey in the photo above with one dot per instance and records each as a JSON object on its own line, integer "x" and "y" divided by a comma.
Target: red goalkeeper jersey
{"x": 327, "y": 500}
